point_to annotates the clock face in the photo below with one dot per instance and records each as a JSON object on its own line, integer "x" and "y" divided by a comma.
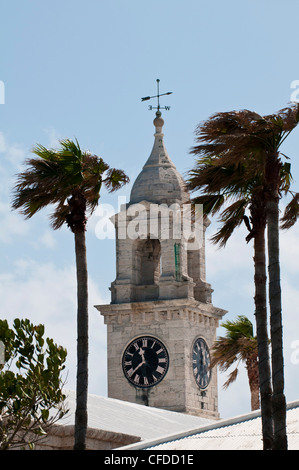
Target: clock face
{"x": 145, "y": 361}
{"x": 201, "y": 363}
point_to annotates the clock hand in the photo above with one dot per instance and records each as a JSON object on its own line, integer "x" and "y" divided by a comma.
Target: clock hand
{"x": 139, "y": 365}
{"x": 141, "y": 352}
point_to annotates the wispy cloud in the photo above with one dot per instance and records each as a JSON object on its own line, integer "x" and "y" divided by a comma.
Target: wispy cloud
{"x": 2, "y": 143}
{"x": 53, "y": 137}
{"x": 46, "y": 293}
{"x": 14, "y": 153}
{"x": 12, "y": 224}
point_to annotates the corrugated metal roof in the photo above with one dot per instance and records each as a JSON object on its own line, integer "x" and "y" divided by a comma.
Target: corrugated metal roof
{"x": 240, "y": 433}
{"x": 120, "y": 416}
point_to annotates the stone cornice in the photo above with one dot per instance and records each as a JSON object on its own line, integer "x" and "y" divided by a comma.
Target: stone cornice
{"x": 184, "y": 304}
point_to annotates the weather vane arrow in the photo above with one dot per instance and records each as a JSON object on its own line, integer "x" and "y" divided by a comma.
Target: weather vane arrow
{"x": 146, "y": 98}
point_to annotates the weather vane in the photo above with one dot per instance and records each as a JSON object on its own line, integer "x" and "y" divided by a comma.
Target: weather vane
{"x": 146, "y": 98}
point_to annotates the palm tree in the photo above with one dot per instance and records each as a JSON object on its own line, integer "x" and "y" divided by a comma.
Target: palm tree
{"x": 246, "y": 145}
{"x": 220, "y": 186}
{"x": 272, "y": 131}
{"x": 71, "y": 180}
{"x": 240, "y": 345}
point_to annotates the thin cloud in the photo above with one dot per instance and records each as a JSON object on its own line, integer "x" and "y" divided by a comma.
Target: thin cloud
{"x": 46, "y": 293}
{"x": 12, "y": 225}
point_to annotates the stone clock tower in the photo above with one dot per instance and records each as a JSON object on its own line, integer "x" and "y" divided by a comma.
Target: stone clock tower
{"x": 161, "y": 323}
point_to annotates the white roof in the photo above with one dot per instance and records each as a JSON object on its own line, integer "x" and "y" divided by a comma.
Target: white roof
{"x": 124, "y": 417}
{"x": 240, "y": 433}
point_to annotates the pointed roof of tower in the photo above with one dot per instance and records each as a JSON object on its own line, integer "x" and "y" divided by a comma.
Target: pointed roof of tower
{"x": 159, "y": 181}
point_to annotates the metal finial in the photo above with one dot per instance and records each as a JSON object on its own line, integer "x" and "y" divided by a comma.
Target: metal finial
{"x": 146, "y": 98}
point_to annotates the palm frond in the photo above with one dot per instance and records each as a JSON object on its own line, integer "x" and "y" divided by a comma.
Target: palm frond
{"x": 44, "y": 153}
{"x": 291, "y": 213}
{"x": 234, "y": 151}
{"x": 241, "y": 327}
{"x": 59, "y": 215}
{"x": 56, "y": 177}
{"x": 231, "y": 378}
{"x": 71, "y": 148}
{"x": 29, "y": 201}
{"x": 115, "y": 179}
{"x": 211, "y": 203}
{"x": 231, "y": 218}
{"x": 286, "y": 177}
{"x": 224, "y": 353}
{"x": 239, "y": 345}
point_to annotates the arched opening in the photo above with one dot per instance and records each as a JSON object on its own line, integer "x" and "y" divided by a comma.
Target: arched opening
{"x": 147, "y": 266}
{"x": 148, "y": 262}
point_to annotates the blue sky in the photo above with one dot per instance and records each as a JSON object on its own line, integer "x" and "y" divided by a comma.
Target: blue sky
{"x": 78, "y": 69}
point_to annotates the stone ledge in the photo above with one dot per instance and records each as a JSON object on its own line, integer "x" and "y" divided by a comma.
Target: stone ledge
{"x": 62, "y": 437}
{"x": 159, "y": 305}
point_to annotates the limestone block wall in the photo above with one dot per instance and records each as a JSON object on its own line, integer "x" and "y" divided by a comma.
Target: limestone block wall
{"x": 157, "y": 262}
{"x": 177, "y": 325}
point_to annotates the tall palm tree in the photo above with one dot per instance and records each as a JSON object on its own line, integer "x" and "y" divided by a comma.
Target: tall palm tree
{"x": 245, "y": 145}
{"x": 239, "y": 345}
{"x": 71, "y": 180}
{"x": 271, "y": 131}
{"x": 232, "y": 193}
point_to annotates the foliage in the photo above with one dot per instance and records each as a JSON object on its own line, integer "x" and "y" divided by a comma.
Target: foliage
{"x": 31, "y": 397}
{"x": 57, "y": 175}
{"x": 238, "y": 345}
{"x": 233, "y": 170}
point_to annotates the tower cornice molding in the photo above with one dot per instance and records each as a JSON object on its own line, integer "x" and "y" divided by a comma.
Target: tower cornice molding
{"x": 158, "y": 305}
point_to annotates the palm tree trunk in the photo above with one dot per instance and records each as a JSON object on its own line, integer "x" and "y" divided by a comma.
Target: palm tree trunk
{"x": 278, "y": 400}
{"x": 272, "y": 173}
{"x": 262, "y": 337}
{"x": 253, "y": 379}
{"x": 82, "y": 342}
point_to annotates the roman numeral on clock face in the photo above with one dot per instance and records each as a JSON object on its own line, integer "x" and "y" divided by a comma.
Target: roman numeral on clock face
{"x": 160, "y": 370}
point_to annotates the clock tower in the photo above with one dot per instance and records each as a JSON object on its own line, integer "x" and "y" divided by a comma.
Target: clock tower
{"x": 161, "y": 323}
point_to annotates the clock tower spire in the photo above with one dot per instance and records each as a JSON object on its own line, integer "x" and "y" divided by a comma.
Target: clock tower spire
{"x": 161, "y": 322}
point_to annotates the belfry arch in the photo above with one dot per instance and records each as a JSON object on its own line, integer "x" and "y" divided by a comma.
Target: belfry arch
{"x": 147, "y": 261}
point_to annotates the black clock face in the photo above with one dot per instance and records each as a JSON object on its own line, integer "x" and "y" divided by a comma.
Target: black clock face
{"x": 145, "y": 361}
{"x": 201, "y": 363}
